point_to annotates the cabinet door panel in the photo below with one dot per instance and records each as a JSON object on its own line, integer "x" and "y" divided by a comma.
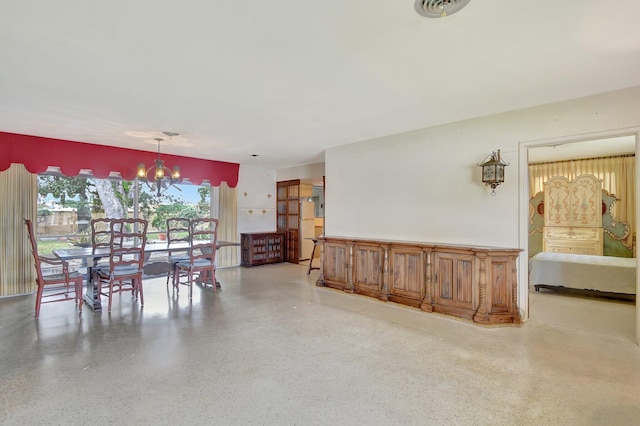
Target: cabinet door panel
{"x": 500, "y": 286}
{"x": 335, "y": 259}
{"x": 455, "y": 275}
{"x": 289, "y": 216}
{"x": 293, "y": 236}
{"x": 586, "y": 201}
{"x": 446, "y": 278}
{"x": 557, "y": 202}
{"x": 408, "y": 273}
{"x": 464, "y": 288}
{"x": 368, "y": 269}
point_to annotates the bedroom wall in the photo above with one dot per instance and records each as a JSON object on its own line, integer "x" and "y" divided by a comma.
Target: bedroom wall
{"x": 425, "y": 185}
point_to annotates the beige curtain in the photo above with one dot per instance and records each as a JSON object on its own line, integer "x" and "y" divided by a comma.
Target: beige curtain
{"x": 225, "y": 202}
{"x": 18, "y": 199}
{"x": 618, "y": 176}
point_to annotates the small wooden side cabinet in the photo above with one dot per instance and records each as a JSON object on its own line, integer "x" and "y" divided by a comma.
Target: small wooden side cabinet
{"x": 261, "y": 248}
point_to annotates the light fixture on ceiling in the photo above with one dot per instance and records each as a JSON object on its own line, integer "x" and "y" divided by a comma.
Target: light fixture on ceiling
{"x": 159, "y": 177}
{"x": 493, "y": 171}
{"x": 439, "y": 8}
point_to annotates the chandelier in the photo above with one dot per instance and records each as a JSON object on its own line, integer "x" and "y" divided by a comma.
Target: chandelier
{"x": 159, "y": 177}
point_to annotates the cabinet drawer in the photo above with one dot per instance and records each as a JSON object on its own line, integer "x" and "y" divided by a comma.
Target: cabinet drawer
{"x": 573, "y": 240}
{"x": 563, "y": 233}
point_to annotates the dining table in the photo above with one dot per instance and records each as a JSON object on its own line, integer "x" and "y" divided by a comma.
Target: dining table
{"x": 151, "y": 267}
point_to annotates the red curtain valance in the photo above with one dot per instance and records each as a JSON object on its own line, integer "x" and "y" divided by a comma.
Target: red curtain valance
{"x": 38, "y": 153}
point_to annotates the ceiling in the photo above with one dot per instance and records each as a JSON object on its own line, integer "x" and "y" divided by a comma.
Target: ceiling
{"x": 286, "y": 79}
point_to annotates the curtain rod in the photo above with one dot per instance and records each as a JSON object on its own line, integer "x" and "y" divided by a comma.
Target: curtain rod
{"x": 582, "y": 159}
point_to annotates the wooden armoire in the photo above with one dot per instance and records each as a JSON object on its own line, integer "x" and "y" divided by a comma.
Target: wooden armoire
{"x": 573, "y": 215}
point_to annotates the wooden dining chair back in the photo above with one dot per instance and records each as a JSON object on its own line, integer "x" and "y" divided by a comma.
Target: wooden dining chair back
{"x": 100, "y": 233}
{"x": 204, "y": 237}
{"x": 58, "y": 282}
{"x": 127, "y": 240}
{"x": 100, "y": 239}
{"x": 178, "y": 233}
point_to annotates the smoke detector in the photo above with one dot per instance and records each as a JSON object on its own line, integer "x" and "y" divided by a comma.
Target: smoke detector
{"x": 439, "y": 8}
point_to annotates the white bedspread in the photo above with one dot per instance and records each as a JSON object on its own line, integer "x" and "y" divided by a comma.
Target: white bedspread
{"x": 604, "y": 273}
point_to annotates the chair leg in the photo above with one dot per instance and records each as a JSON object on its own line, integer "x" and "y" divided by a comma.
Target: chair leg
{"x": 139, "y": 287}
{"x": 39, "y": 299}
{"x": 110, "y": 294}
{"x": 79, "y": 298}
{"x": 176, "y": 279}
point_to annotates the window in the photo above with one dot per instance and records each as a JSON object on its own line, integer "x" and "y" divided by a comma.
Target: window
{"x": 66, "y": 206}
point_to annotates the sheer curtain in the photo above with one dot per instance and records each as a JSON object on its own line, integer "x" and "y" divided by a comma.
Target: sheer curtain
{"x": 18, "y": 198}
{"x": 618, "y": 176}
{"x": 224, "y": 200}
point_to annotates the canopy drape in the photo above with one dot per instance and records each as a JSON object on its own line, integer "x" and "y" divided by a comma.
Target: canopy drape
{"x": 39, "y": 153}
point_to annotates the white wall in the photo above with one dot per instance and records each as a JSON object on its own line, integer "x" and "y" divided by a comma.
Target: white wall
{"x": 257, "y": 193}
{"x": 310, "y": 173}
{"x": 256, "y": 199}
{"x": 425, "y": 185}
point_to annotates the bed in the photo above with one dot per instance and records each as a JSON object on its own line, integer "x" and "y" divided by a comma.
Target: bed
{"x": 605, "y": 274}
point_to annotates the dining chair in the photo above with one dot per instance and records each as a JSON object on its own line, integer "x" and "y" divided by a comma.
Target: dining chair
{"x": 100, "y": 238}
{"x": 127, "y": 239}
{"x": 178, "y": 231}
{"x": 100, "y": 232}
{"x": 204, "y": 237}
{"x": 59, "y": 282}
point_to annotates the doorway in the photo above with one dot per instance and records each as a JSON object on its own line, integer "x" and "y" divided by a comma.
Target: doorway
{"x": 580, "y": 146}
{"x": 300, "y": 215}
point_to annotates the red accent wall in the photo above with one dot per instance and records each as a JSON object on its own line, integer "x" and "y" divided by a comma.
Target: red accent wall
{"x": 38, "y": 153}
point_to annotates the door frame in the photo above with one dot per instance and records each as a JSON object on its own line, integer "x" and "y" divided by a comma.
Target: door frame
{"x": 523, "y": 206}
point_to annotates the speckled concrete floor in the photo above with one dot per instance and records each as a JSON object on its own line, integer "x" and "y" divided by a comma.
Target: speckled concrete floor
{"x": 273, "y": 349}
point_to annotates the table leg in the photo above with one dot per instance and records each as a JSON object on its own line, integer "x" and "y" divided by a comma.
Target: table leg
{"x": 92, "y": 292}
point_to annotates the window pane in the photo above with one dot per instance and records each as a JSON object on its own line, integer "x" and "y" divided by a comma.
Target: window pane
{"x": 66, "y": 206}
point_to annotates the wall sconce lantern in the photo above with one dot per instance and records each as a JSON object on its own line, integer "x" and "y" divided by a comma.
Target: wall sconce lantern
{"x": 493, "y": 171}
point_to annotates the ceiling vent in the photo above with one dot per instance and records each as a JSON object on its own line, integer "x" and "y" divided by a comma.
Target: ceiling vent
{"x": 439, "y": 8}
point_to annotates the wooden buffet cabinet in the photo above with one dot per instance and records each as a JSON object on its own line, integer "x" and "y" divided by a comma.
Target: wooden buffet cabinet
{"x": 471, "y": 282}
{"x": 261, "y": 248}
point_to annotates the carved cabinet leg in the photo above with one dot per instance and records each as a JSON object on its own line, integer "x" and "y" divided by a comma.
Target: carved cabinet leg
{"x": 514, "y": 290}
{"x": 482, "y": 315}
{"x": 384, "y": 293}
{"x": 349, "y": 287}
{"x": 427, "y": 302}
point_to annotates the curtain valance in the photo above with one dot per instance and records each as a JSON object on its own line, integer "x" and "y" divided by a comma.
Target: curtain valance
{"x": 39, "y": 153}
